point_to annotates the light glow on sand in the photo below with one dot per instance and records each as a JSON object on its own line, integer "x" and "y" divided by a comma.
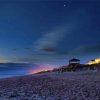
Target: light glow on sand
{"x": 43, "y": 67}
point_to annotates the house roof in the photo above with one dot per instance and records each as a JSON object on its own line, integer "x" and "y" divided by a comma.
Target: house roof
{"x": 74, "y": 59}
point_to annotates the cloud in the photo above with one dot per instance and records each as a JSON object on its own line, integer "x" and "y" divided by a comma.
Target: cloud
{"x": 78, "y": 51}
{"x": 84, "y": 50}
{"x": 49, "y": 49}
{"x": 50, "y": 41}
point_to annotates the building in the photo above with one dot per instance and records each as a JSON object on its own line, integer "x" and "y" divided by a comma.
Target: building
{"x": 74, "y": 61}
{"x": 75, "y": 65}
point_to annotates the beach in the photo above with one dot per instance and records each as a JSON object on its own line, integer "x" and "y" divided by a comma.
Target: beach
{"x": 52, "y": 86}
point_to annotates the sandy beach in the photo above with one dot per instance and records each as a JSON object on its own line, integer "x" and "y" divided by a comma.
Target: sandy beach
{"x": 52, "y": 86}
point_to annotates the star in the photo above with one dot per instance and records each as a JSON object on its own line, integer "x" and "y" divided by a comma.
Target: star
{"x": 64, "y": 5}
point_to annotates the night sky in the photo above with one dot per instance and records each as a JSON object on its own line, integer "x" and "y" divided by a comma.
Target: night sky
{"x": 49, "y": 31}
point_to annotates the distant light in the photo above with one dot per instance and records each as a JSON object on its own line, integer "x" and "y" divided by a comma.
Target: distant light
{"x": 64, "y": 5}
{"x": 95, "y": 61}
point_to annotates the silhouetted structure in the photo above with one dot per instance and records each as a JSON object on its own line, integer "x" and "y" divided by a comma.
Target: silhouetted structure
{"x": 75, "y": 65}
{"x": 74, "y": 61}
